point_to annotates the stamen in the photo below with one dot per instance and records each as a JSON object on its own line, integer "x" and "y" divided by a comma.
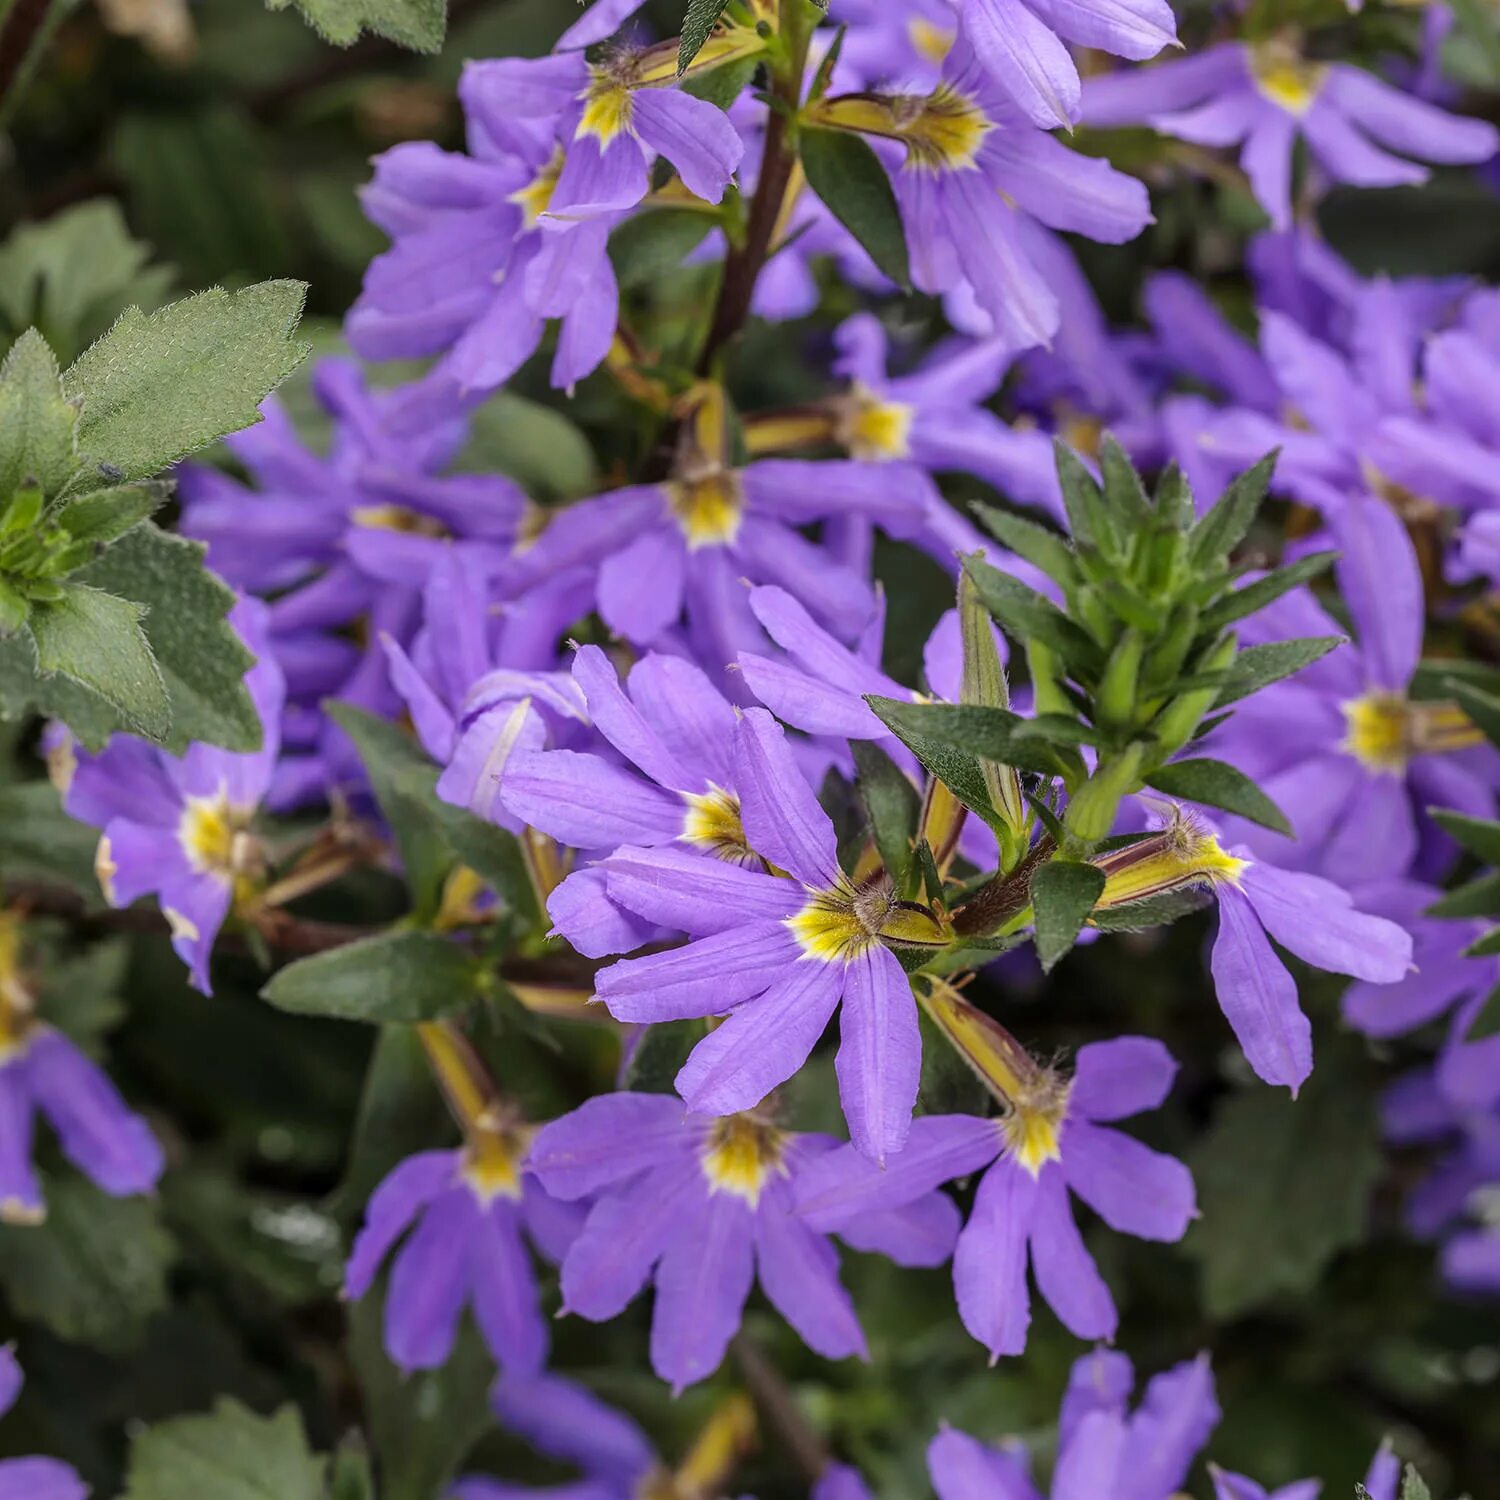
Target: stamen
{"x": 708, "y": 508}
{"x": 712, "y": 823}
{"x": 874, "y": 430}
{"x": 1285, "y": 77}
{"x": 1385, "y": 730}
{"x": 742, "y": 1154}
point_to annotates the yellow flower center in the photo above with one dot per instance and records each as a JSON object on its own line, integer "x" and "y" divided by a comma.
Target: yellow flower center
{"x": 942, "y": 130}
{"x": 874, "y": 430}
{"x": 1385, "y": 730}
{"x": 708, "y": 508}
{"x": 492, "y": 1161}
{"x": 712, "y": 823}
{"x": 607, "y": 109}
{"x": 1286, "y": 78}
{"x": 742, "y": 1154}
{"x": 397, "y": 518}
{"x": 830, "y": 928}
{"x": 17, "y": 1005}
{"x": 1183, "y": 854}
{"x": 1033, "y": 1125}
{"x": 211, "y": 831}
{"x": 929, "y": 40}
{"x": 536, "y": 196}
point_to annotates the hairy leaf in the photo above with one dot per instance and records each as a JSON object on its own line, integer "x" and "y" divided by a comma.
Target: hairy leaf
{"x": 1216, "y": 784}
{"x": 1063, "y": 893}
{"x": 36, "y": 420}
{"x": 892, "y": 805}
{"x": 396, "y": 976}
{"x": 847, "y": 175}
{"x": 161, "y": 385}
{"x": 417, "y": 24}
{"x": 697, "y": 26}
{"x": 1259, "y": 666}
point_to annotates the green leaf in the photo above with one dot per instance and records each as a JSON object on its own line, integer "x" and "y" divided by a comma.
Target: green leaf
{"x": 95, "y": 1271}
{"x": 351, "y": 1478}
{"x": 161, "y": 385}
{"x": 1284, "y": 1184}
{"x": 1263, "y": 591}
{"x": 1037, "y": 544}
{"x": 1063, "y": 893}
{"x": 958, "y": 770}
{"x": 1478, "y": 898}
{"x": 1152, "y": 911}
{"x": 649, "y": 245}
{"x": 982, "y": 733}
{"x": 38, "y": 837}
{"x": 536, "y": 445}
{"x": 1479, "y": 836}
{"x": 229, "y": 1454}
{"x": 422, "y": 1423}
{"x": 36, "y": 421}
{"x": 26, "y": 31}
{"x": 697, "y": 26}
{"x": 1024, "y": 613}
{"x": 1482, "y": 707}
{"x": 657, "y": 1058}
{"x": 396, "y": 976}
{"x": 417, "y": 24}
{"x": 847, "y": 175}
{"x": 1413, "y": 1486}
{"x": 96, "y": 639}
{"x": 1487, "y": 1022}
{"x": 1259, "y": 666}
{"x": 1485, "y": 947}
{"x": 1124, "y": 493}
{"x": 1088, "y": 519}
{"x": 106, "y": 515}
{"x": 202, "y": 660}
{"x": 432, "y": 834}
{"x": 892, "y": 805}
{"x": 1223, "y": 527}
{"x": 72, "y": 275}
{"x": 1215, "y": 784}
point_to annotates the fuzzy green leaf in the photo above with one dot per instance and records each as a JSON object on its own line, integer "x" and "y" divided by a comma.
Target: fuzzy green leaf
{"x": 1223, "y": 527}
{"x": 649, "y": 245}
{"x": 847, "y": 175}
{"x": 1063, "y": 893}
{"x": 96, "y": 639}
{"x": 892, "y": 805}
{"x": 397, "y": 976}
{"x": 36, "y": 420}
{"x": 161, "y": 385}
{"x": 1284, "y": 1184}
{"x": 106, "y": 515}
{"x": 1037, "y": 544}
{"x": 229, "y": 1454}
{"x": 1482, "y": 707}
{"x": 1479, "y": 836}
{"x": 202, "y": 660}
{"x": 956, "y": 768}
{"x": 697, "y": 26}
{"x": 1216, "y": 784}
{"x": 417, "y": 24}
{"x": 1259, "y": 666}
{"x": 981, "y": 733}
{"x": 1263, "y": 591}
{"x": 95, "y": 1271}
{"x": 1477, "y": 898}
{"x": 1023, "y": 613}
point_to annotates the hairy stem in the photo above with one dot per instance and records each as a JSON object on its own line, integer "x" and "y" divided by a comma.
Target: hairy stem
{"x": 1006, "y": 896}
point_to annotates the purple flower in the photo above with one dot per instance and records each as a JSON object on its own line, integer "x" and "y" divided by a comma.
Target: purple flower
{"x": 662, "y": 552}
{"x": 42, "y": 1071}
{"x": 1051, "y": 1140}
{"x": 179, "y": 827}
{"x": 1343, "y": 748}
{"x": 1104, "y": 1449}
{"x": 703, "y": 1207}
{"x": 1261, "y": 98}
{"x": 675, "y": 732}
{"x": 777, "y": 954}
{"x": 974, "y": 169}
{"x": 471, "y": 1208}
{"x": 343, "y": 538}
{"x": 479, "y": 684}
{"x": 1311, "y": 917}
{"x": 1453, "y": 1203}
{"x": 1380, "y": 1483}
{"x": 1441, "y": 981}
{"x": 32, "y": 1478}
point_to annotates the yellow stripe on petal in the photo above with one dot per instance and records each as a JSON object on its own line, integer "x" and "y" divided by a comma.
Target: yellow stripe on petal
{"x": 607, "y": 111}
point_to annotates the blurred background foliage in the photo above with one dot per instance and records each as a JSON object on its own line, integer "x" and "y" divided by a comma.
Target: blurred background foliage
{"x": 165, "y": 147}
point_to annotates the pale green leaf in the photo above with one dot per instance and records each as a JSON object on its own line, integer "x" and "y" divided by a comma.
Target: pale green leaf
{"x": 403, "y": 976}
{"x": 847, "y": 175}
{"x": 1213, "y": 783}
{"x": 36, "y": 421}
{"x": 161, "y": 385}
{"x": 417, "y": 24}
{"x": 1063, "y": 893}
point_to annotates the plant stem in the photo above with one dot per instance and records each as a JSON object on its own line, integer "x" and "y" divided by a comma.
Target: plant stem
{"x": 1006, "y": 896}
{"x": 743, "y": 265}
{"x": 779, "y": 1410}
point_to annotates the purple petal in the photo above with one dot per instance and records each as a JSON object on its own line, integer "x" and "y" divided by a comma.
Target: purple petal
{"x": 1315, "y": 919}
{"x": 597, "y": 181}
{"x": 507, "y": 1303}
{"x": 1167, "y": 1433}
{"x": 607, "y": 1139}
{"x": 694, "y": 135}
{"x": 1065, "y": 1272}
{"x": 989, "y": 1265}
{"x": 1382, "y": 584}
{"x": 689, "y": 714}
{"x": 586, "y": 802}
{"x": 99, "y": 1134}
{"x": 623, "y": 724}
{"x": 583, "y": 913}
{"x": 1090, "y": 1465}
{"x": 1121, "y": 1077}
{"x": 782, "y": 819}
{"x": 429, "y": 1282}
{"x": 641, "y": 586}
{"x": 799, "y": 1273}
{"x": 696, "y": 893}
{"x": 567, "y": 1421}
{"x": 763, "y": 1042}
{"x": 401, "y": 1196}
{"x": 40, "y": 1479}
{"x": 705, "y": 1275}
{"x": 963, "y": 1468}
{"x": 1131, "y": 1187}
{"x": 1258, "y": 996}
{"x": 705, "y": 978}
{"x": 1026, "y": 58}
{"x": 922, "y": 1233}
{"x": 879, "y": 1061}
